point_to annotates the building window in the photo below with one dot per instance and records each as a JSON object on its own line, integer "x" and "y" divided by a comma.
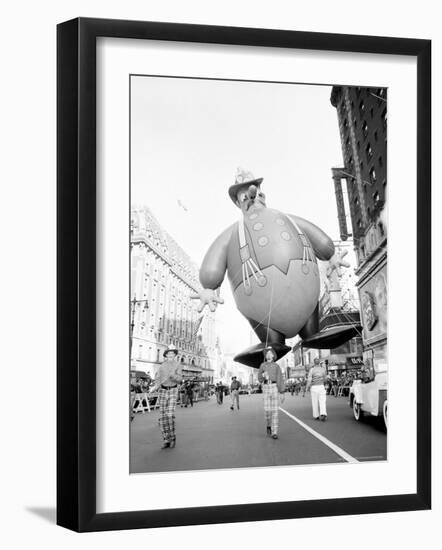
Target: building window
{"x": 381, "y": 94}
{"x": 362, "y": 106}
{"x": 384, "y": 118}
{"x": 365, "y": 129}
{"x": 369, "y": 152}
{"x": 373, "y": 175}
{"x": 376, "y": 197}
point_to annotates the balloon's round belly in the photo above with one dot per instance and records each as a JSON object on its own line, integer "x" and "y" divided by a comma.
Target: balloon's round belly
{"x": 286, "y": 301}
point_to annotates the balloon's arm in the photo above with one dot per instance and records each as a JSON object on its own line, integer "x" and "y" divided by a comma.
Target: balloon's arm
{"x": 320, "y": 241}
{"x": 214, "y": 264}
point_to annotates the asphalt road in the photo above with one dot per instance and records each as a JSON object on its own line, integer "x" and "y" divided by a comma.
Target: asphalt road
{"x": 212, "y": 436}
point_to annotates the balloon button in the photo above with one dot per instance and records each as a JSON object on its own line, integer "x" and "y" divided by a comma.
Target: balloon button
{"x": 262, "y": 241}
{"x": 280, "y": 221}
{"x": 305, "y": 269}
{"x": 262, "y": 280}
{"x": 285, "y": 236}
{"x": 247, "y": 289}
{"x": 253, "y": 216}
{"x": 258, "y": 226}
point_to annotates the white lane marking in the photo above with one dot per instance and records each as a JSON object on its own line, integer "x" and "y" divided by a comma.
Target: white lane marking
{"x": 343, "y": 454}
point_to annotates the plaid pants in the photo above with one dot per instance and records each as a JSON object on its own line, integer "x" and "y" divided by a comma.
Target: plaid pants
{"x": 234, "y": 395}
{"x": 271, "y": 404}
{"x": 167, "y": 401}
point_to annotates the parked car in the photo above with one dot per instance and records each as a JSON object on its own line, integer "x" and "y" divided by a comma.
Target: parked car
{"x": 369, "y": 396}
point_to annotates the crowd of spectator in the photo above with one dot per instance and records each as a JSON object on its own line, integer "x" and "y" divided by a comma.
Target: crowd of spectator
{"x": 338, "y": 385}
{"x": 335, "y": 384}
{"x": 191, "y": 391}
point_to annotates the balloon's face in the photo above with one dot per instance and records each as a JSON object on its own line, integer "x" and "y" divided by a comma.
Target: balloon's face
{"x": 251, "y": 199}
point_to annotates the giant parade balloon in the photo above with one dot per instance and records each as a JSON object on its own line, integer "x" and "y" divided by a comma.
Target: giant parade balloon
{"x": 271, "y": 259}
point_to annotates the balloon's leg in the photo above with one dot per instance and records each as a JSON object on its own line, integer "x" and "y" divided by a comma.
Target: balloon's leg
{"x": 312, "y": 325}
{"x": 253, "y": 356}
{"x": 267, "y": 336}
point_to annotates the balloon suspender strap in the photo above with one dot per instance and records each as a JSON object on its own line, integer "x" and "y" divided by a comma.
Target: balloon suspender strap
{"x": 247, "y": 261}
{"x": 306, "y": 253}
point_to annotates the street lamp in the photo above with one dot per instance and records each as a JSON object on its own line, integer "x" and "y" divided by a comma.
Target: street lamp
{"x": 133, "y": 305}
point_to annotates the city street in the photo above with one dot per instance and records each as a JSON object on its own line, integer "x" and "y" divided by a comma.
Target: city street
{"x": 212, "y": 436}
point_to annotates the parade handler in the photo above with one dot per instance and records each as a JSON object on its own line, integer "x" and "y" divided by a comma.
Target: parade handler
{"x": 271, "y": 261}
{"x": 270, "y": 376}
{"x": 168, "y": 377}
{"x": 234, "y": 392}
{"x": 315, "y": 383}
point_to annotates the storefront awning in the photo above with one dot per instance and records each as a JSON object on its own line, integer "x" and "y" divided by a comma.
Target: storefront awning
{"x": 192, "y": 370}
{"x": 138, "y": 374}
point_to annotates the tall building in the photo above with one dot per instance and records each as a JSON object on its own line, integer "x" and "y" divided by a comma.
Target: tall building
{"x": 163, "y": 277}
{"x": 362, "y": 118}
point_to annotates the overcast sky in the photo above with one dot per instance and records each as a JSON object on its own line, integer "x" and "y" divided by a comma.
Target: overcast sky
{"x": 189, "y": 136}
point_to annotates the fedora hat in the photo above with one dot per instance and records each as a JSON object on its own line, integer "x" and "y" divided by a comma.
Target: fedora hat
{"x": 242, "y": 180}
{"x": 168, "y": 349}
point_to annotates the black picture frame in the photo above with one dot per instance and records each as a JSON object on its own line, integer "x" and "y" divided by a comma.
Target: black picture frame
{"x": 76, "y": 274}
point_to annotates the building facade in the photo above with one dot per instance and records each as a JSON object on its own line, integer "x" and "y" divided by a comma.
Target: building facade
{"x": 163, "y": 278}
{"x": 362, "y": 118}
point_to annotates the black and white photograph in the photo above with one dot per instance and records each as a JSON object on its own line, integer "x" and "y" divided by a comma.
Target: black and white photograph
{"x": 258, "y": 274}
{"x": 226, "y": 317}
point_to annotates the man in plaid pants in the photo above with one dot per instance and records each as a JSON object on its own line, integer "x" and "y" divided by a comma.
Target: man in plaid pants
{"x": 270, "y": 376}
{"x": 168, "y": 377}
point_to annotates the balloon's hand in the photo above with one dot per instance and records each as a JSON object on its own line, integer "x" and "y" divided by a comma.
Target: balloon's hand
{"x": 336, "y": 262}
{"x": 207, "y": 297}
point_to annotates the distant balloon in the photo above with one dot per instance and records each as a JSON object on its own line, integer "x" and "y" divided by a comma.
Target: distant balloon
{"x": 182, "y": 205}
